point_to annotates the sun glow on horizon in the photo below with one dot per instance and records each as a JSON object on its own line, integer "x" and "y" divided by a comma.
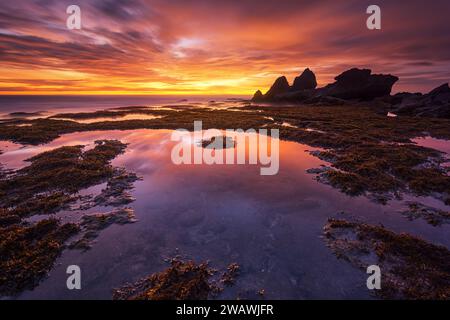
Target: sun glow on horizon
{"x": 155, "y": 47}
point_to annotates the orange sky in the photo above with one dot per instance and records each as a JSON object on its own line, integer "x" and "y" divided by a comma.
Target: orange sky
{"x": 214, "y": 47}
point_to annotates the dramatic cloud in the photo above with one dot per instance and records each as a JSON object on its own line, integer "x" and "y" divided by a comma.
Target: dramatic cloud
{"x": 221, "y": 47}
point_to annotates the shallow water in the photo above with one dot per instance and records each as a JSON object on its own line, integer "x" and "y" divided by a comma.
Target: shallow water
{"x": 129, "y": 116}
{"x": 270, "y": 225}
{"x": 51, "y": 105}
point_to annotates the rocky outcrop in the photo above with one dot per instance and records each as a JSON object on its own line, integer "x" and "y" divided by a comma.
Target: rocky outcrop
{"x": 360, "y": 84}
{"x": 353, "y": 84}
{"x": 436, "y": 103}
{"x": 280, "y": 86}
{"x": 307, "y": 80}
{"x": 258, "y": 96}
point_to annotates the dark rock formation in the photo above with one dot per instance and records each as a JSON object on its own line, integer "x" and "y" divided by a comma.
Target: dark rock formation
{"x": 360, "y": 84}
{"x": 436, "y": 103}
{"x": 280, "y": 86}
{"x": 353, "y": 84}
{"x": 307, "y": 80}
{"x": 258, "y": 96}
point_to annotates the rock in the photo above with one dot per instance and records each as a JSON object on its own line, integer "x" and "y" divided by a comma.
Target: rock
{"x": 359, "y": 84}
{"x": 307, "y": 80}
{"x": 296, "y": 96}
{"x": 435, "y": 104}
{"x": 353, "y": 84}
{"x": 280, "y": 86}
{"x": 258, "y": 96}
{"x": 443, "y": 89}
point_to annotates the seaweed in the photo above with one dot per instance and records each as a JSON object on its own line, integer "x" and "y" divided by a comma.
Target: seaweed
{"x": 372, "y": 154}
{"x": 411, "y": 268}
{"x": 181, "y": 281}
{"x": 29, "y": 251}
{"x": 92, "y": 224}
{"x": 433, "y": 216}
{"x": 47, "y": 185}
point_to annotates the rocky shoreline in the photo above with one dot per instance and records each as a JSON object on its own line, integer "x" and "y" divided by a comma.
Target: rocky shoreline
{"x": 369, "y": 154}
{"x": 359, "y": 85}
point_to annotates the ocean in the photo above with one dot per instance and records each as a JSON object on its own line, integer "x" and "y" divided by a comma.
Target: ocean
{"x": 57, "y": 104}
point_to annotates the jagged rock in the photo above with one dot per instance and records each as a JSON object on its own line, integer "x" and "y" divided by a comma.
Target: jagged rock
{"x": 353, "y": 84}
{"x": 307, "y": 80}
{"x": 436, "y": 103}
{"x": 360, "y": 84}
{"x": 280, "y": 86}
{"x": 258, "y": 96}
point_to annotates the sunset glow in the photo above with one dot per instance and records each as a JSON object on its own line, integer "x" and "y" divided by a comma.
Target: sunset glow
{"x": 210, "y": 47}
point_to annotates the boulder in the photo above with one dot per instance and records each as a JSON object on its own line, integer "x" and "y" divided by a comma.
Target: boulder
{"x": 307, "y": 80}
{"x": 360, "y": 84}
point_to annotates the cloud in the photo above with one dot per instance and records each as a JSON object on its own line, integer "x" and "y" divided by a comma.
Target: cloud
{"x": 217, "y": 47}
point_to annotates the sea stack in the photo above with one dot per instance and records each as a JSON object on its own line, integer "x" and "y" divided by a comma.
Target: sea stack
{"x": 280, "y": 86}
{"x": 307, "y": 80}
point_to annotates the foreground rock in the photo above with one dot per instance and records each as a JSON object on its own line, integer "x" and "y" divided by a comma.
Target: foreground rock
{"x": 436, "y": 103}
{"x": 411, "y": 267}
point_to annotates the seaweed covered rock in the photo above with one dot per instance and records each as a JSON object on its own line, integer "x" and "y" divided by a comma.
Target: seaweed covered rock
{"x": 92, "y": 224}
{"x": 53, "y": 177}
{"x": 28, "y": 252}
{"x": 181, "y": 281}
{"x": 411, "y": 267}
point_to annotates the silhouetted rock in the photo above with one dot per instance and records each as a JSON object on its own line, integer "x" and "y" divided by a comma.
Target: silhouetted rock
{"x": 280, "y": 86}
{"x": 353, "y": 84}
{"x": 307, "y": 80}
{"x": 360, "y": 84}
{"x": 258, "y": 96}
{"x": 436, "y": 103}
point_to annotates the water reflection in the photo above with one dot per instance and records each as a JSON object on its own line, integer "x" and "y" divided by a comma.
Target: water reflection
{"x": 130, "y": 116}
{"x": 270, "y": 225}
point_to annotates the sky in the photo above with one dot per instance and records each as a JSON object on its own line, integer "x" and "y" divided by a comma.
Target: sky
{"x": 187, "y": 47}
